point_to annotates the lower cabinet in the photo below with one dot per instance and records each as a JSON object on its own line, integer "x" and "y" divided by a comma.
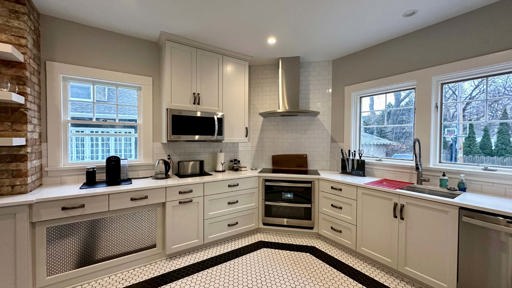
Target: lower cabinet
{"x": 183, "y": 224}
{"x": 339, "y": 231}
{"x": 229, "y": 225}
{"x": 417, "y": 237}
{"x": 15, "y": 260}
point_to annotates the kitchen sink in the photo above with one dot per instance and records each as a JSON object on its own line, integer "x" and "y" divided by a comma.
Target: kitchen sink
{"x": 431, "y": 191}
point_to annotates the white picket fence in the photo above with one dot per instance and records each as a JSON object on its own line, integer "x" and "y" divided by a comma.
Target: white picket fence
{"x": 96, "y": 144}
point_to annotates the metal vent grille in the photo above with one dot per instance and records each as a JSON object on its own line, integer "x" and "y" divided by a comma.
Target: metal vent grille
{"x": 80, "y": 244}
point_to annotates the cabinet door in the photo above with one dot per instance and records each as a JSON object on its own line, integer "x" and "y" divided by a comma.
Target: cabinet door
{"x": 183, "y": 224}
{"x": 428, "y": 238}
{"x": 235, "y": 99}
{"x": 377, "y": 228}
{"x": 15, "y": 263}
{"x": 209, "y": 81}
{"x": 181, "y": 76}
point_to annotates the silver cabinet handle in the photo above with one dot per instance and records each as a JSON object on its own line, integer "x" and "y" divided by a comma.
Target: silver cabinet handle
{"x": 336, "y": 230}
{"x": 194, "y": 94}
{"x": 233, "y": 185}
{"x": 65, "y": 208}
{"x": 186, "y": 201}
{"x": 232, "y": 202}
{"x": 139, "y": 198}
{"x": 336, "y": 188}
{"x": 232, "y": 224}
{"x": 336, "y": 206}
{"x": 186, "y": 191}
{"x": 198, "y": 98}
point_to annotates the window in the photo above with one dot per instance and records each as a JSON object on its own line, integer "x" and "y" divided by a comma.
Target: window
{"x": 102, "y": 120}
{"x": 386, "y": 124}
{"x": 94, "y": 113}
{"x": 475, "y": 121}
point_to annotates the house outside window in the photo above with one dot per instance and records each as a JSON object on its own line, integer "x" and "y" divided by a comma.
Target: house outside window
{"x": 102, "y": 120}
{"x": 95, "y": 113}
{"x": 476, "y": 121}
{"x": 386, "y": 124}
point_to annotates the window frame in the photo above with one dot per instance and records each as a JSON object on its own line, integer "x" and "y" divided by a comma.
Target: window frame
{"x": 437, "y": 83}
{"x": 356, "y": 114}
{"x": 57, "y": 102}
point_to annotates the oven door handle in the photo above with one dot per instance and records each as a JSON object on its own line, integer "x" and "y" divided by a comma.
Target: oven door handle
{"x": 288, "y": 204}
{"x": 288, "y": 184}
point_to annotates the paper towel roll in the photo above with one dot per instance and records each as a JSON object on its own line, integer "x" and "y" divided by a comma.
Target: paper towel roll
{"x": 220, "y": 162}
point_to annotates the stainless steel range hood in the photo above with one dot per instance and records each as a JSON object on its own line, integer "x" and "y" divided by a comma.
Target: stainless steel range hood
{"x": 289, "y": 83}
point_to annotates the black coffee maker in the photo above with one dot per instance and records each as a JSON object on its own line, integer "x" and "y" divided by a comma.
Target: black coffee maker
{"x": 113, "y": 170}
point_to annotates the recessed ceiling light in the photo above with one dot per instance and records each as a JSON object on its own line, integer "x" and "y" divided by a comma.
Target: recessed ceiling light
{"x": 409, "y": 13}
{"x": 271, "y": 40}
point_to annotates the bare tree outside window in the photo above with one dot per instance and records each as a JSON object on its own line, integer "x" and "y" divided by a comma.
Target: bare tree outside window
{"x": 476, "y": 122}
{"x": 387, "y": 124}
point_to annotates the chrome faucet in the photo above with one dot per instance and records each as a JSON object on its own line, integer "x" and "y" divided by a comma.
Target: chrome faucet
{"x": 417, "y": 162}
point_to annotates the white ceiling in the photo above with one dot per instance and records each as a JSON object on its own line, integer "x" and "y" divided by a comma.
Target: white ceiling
{"x": 312, "y": 29}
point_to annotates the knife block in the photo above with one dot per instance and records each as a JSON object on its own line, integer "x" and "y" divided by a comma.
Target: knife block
{"x": 358, "y": 167}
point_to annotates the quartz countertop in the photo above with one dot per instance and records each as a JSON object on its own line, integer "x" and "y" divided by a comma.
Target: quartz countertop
{"x": 478, "y": 201}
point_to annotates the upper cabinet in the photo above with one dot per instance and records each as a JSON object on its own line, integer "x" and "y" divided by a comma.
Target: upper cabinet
{"x": 192, "y": 78}
{"x": 235, "y": 95}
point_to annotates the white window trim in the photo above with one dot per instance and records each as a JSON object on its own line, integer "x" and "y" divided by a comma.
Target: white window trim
{"x": 56, "y": 133}
{"x": 427, "y": 117}
{"x": 356, "y": 102}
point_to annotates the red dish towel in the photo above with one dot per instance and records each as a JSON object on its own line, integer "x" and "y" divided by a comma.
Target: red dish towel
{"x": 389, "y": 183}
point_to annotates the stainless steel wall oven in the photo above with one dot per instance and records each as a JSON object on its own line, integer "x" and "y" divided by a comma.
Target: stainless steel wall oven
{"x": 288, "y": 203}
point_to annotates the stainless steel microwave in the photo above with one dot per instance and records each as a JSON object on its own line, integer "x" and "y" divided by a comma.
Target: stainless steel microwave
{"x": 183, "y": 125}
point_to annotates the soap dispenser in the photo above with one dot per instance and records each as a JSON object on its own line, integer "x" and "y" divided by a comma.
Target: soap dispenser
{"x": 462, "y": 184}
{"x": 443, "y": 180}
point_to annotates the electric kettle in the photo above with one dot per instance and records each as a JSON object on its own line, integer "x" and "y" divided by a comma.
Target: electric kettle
{"x": 162, "y": 169}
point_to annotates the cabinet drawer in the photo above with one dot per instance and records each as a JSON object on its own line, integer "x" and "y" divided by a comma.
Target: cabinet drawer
{"x": 136, "y": 198}
{"x": 339, "y": 189}
{"x": 230, "y": 185}
{"x": 337, "y": 230}
{"x": 338, "y": 207}
{"x": 184, "y": 191}
{"x": 230, "y": 202}
{"x": 69, "y": 207}
{"x": 229, "y": 225}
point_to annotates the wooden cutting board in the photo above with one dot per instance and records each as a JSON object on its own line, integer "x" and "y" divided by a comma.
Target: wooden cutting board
{"x": 290, "y": 161}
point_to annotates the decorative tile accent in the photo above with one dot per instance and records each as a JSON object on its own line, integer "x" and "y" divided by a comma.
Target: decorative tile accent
{"x": 264, "y": 267}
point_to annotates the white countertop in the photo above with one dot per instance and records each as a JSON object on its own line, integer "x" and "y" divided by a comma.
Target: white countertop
{"x": 494, "y": 204}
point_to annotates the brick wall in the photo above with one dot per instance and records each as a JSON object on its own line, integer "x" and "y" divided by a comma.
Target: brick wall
{"x": 20, "y": 167}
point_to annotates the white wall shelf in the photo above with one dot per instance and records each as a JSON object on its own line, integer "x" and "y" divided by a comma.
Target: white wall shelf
{"x": 10, "y": 53}
{"x": 6, "y": 141}
{"x": 11, "y": 97}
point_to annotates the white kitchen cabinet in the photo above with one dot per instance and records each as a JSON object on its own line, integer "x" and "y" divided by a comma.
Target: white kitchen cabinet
{"x": 191, "y": 78}
{"x": 235, "y": 77}
{"x": 339, "y": 207}
{"x": 15, "y": 263}
{"x": 417, "y": 237}
{"x": 428, "y": 238}
{"x": 336, "y": 230}
{"x": 377, "y": 228}
{"x": 229, "y": 225}
{"x": 183, "y": 224}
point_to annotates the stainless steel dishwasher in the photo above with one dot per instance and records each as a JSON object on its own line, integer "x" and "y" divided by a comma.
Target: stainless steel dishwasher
{"x": 485, "y": 250}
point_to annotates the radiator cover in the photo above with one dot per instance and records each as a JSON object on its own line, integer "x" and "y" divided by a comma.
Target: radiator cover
{"x": 79, "y": 244}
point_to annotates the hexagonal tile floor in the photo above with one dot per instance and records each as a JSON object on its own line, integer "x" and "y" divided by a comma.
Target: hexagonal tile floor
{"x": 260, "y": 259}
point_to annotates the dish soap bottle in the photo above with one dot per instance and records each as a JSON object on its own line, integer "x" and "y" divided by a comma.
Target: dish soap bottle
{"x": 462, "y": 184}
{"x": 443, "y": 180}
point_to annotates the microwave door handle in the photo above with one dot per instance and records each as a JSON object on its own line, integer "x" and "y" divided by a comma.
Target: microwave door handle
{"x": 216, "y": 126}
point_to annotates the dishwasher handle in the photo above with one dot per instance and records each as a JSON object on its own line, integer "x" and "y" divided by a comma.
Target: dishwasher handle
{"x": 487, "y": 225}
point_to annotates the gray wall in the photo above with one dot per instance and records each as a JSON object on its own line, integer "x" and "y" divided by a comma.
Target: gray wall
{"x": 480, "y": 32}
{"x": 72, "y": 43}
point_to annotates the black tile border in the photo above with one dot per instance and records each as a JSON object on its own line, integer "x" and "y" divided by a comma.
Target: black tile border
{"x": 186, "y": 271}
